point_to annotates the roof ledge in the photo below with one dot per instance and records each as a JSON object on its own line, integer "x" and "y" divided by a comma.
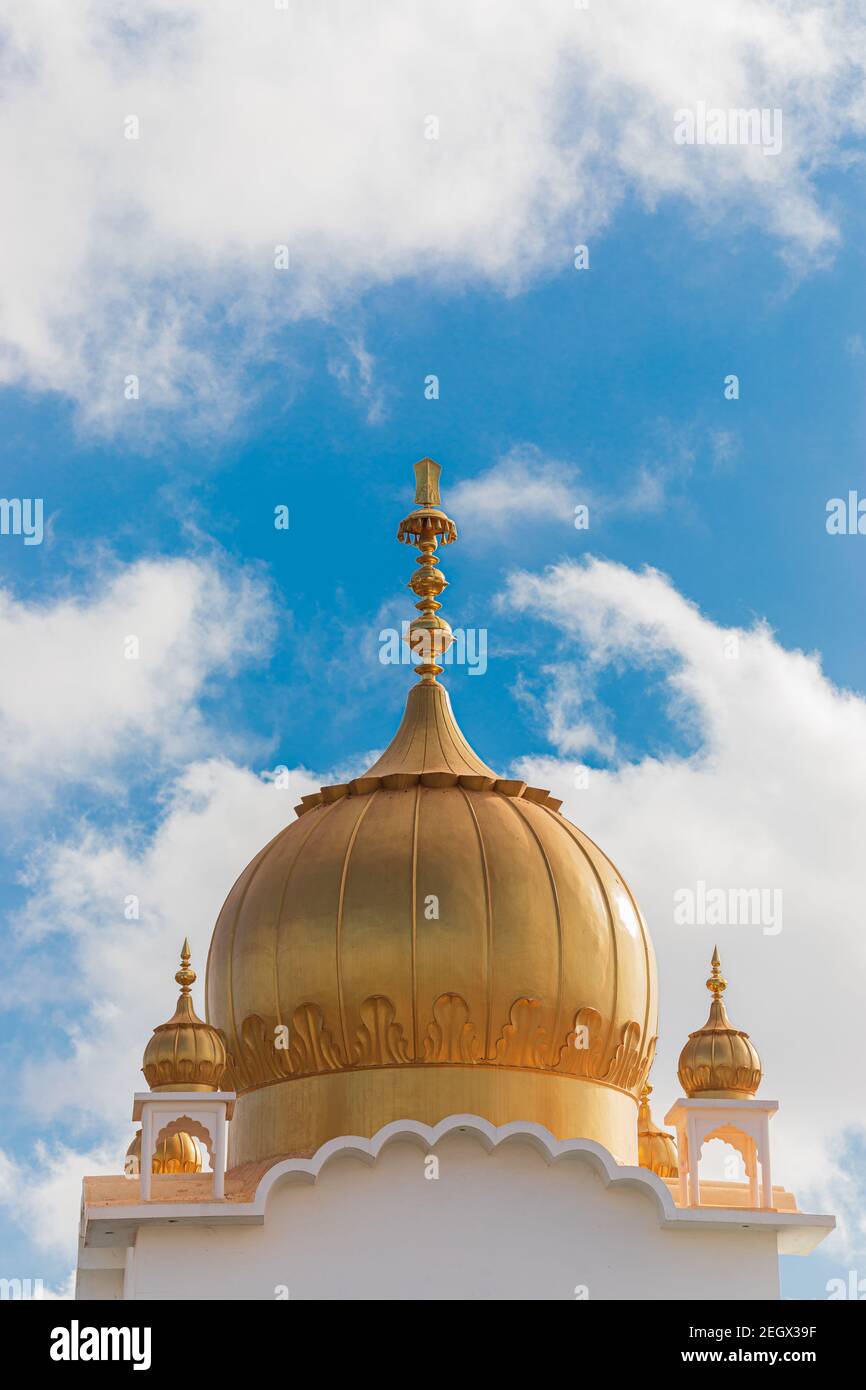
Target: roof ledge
{"x": 798, "y": 1233}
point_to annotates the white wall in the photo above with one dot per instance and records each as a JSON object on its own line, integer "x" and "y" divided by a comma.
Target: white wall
{"x": 499, "y": 1226}
{"x": 99, "y": 1285}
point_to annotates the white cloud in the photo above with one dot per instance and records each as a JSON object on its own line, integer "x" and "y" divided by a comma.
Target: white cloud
{"x": 355, "y": 370}
{"x": 43, "y": 1195}
{"x": 773, "y": 797}
{"x": 77, "y": 705}
{"x": 306, "y": 127}
{"x": 216, "y": 818}
{"x": 526, "y": 487}
{"x": 576, "y": 721}
{"x": 100, "y": 997}
{"x": 523, "y": 486}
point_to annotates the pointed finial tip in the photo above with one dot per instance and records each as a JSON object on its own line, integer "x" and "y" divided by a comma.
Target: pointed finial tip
{"x": 186, "y": 976}
{"x": 716, "y": 984}
{"x": 427, "y": 473}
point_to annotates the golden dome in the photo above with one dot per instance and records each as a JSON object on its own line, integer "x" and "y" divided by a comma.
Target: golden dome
{"x": 431, "y": 939}
{"x": 656, "y": 1148}
{"x": 719, "y": 1060}
{"x": 184, "y": 1054}
{"x": 174, "y": 1153}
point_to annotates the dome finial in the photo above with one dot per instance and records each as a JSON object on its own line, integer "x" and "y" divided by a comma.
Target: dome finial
{"x": 186, "y": 976}
{"x": 429, "y": 636}
{"x": 716, "y": 984}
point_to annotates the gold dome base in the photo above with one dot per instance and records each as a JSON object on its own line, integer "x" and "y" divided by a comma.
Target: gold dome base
{"x": 294, "y": 1118}
{"x": 732, "y": 1094}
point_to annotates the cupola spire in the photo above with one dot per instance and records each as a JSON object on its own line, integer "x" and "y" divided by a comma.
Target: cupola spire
{"x": 429, "y": 635}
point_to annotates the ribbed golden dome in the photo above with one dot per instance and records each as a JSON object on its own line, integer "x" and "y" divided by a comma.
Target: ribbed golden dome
{"x": 431, "y": 939}
{"x": 719, "y": 1061}
{"x": 184, "y": 1054}
{"x": 656, "y": 1148}
{"x": 174, "y": 1153}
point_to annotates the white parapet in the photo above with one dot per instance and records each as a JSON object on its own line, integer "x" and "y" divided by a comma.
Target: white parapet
{"x": 458, "y": 1210}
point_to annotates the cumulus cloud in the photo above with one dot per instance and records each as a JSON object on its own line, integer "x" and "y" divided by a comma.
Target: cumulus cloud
{"x": 96, "y": 976}
{"x": 524, "y": 485}
{"x": 44, "y": 1194}
{"x": 528, "y": 487}
{"x": 355, "y": 370}
{"x": 771, "y": 797}
{"x": 577, "y": 722}
{"x": 306, "y": 128}
{"x": 121, "y": 669}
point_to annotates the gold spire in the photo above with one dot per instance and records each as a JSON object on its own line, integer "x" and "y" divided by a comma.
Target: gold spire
{"x": 429, "y": 636}
{"x": 656, "y": 1148}
{"x": 719, "y": 1061}
{"x": 716, "y": 984}
{"x": 184, "y": 1054}
{"x": 185, "y": 977}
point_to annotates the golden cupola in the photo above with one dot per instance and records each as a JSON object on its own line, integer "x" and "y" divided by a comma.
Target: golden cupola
{"x": 719, "y": 1061}
{"x": 656, "y": 1148}
{"x": 174, "y": 1153}
{"x": 431, "y": 939}
{"x": 184, "y": 1054}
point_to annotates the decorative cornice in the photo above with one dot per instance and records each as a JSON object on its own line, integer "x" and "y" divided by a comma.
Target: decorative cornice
{"x": 308, "y": 1047}
{"x": 403, "y": 781}
{"x": 451, "y": 1037}
{"x": 381, "y": 1041}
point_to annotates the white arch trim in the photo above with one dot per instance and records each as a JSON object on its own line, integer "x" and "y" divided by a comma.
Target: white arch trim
{"x": 490, "y": 1137}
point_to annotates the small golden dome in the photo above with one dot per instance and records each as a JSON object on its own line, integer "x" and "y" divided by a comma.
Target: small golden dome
{"x": 184, "y": 1054}
{"x": 656, "y": 1148}
{"x": 719, "y": 1060}
{"x": 174, "y": 1153}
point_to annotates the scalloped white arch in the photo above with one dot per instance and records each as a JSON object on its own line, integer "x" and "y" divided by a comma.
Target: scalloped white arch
{"x": 490, "y": 1137}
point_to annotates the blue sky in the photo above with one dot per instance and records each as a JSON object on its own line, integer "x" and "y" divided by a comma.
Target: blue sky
{"x": 603, "y": 386}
